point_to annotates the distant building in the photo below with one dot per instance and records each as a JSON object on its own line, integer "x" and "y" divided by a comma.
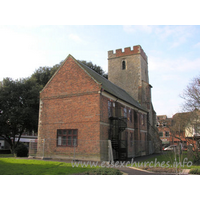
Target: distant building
{"x": 3, "y": 144}
{"x": 163, "y": 125}
{"x": 182, "y": 128}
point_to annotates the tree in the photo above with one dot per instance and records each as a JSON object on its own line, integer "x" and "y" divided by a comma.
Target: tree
{"x": 19, "y": 108}
{"x": 44, "y": 74}
{"x": 191, "y": 95}
{"x": 19, "y": 102}
{"x": 96, "y": 68}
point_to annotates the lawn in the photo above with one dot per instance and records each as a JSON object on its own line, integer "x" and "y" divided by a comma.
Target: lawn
{"x": 166, "y": 163}
{"x": 6, "y": 155}
{"x": 16, "y": 166}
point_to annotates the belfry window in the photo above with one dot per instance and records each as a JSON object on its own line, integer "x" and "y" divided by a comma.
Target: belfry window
{"x": 123, "y": 65}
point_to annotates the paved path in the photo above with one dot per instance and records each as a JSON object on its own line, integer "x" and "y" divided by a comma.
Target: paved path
{"x": 135, "y": 171}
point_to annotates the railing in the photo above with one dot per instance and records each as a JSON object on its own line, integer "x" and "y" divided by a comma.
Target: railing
{"x": 97, "y": 150}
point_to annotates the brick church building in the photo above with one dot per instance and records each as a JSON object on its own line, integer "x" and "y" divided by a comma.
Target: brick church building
{"x": 78, "y": 106}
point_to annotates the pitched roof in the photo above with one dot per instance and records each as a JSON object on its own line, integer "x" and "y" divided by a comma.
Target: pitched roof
{"x": 106, "y": 85}
{"x": 111, "y": 87}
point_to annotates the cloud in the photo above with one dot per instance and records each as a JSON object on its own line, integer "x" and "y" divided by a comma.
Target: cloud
{"x": 133, "y": 29}
{"x": 180, "y": 64}
{"x": 176, "y": 35}
{"x": 76, "y": 38}
{"x": 197, "y": 45}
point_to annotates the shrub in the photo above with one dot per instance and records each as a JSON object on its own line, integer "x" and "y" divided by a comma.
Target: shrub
{"x": 21, "y": 150}
{"x": 104, "y": 171}
{"x": 197, "y": 159}
{"x": 195, "y": 171}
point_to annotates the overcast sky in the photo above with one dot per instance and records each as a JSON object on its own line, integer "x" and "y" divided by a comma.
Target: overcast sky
{"x": 173, "y": 53}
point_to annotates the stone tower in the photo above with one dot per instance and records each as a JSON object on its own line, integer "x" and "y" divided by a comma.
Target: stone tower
{"x": 129, "y": 70}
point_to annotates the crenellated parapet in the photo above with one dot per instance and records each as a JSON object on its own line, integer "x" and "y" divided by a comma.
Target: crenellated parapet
{"x": 127, "y": 51}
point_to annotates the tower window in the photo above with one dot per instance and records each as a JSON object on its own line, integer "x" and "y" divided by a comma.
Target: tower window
{"x": 123, "y": 65}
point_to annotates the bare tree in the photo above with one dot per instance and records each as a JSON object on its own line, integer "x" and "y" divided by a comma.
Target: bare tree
{"x": 191, "y": 96}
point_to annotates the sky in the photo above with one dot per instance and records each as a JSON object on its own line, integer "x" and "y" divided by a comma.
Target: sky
{"x": 43, "y": 33}
{"x": 172, "y": 50}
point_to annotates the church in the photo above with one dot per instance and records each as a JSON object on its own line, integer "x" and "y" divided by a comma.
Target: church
{"x": 81, "y": 110}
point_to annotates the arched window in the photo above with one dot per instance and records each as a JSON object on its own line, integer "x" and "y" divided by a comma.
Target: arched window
{"x": 123, "y": 65}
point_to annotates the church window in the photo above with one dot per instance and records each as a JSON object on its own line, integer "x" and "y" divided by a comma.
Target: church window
{"x": 123, "y": 65}
{"x": 109, "y": 109}
{"x": 125, "y": 112}
{"x": 130, "y": 115}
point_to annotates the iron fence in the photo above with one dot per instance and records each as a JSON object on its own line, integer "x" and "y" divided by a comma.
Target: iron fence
{"x": 96, "y": 150}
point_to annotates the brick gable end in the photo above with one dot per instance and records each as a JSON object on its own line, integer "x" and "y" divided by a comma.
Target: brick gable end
{"x": 70, "y": 79}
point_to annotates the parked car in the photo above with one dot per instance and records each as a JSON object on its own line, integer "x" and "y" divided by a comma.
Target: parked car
{"x": 170, "y": 148}
{"x": 163, "y": 147}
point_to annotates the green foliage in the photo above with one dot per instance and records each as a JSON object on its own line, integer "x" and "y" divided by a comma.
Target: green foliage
{"x": 96, "y": 68}
{"x": 21, "y": 150}
{"x": 44, "y": 74}
{"x": 6, "y": 155}
{"x": 103, "y": 171}
{"x": 19, "y": 103}
{"x": 14, "y": 166}
{"x": 197, "y": 158}
{"x": 195, "y": 171}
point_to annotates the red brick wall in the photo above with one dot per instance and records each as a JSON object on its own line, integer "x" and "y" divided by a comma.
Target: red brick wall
{"x": 69, "y": 80}
{"x": 71, "y": 101}
{"x": 126, "y": 135}
{"x": 127, "y": 51}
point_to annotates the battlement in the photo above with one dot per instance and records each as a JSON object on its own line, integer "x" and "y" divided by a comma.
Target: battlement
{"x": 127, "y": 51}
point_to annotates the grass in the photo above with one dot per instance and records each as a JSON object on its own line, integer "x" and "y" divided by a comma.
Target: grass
{"x": 6, "y": 155}
{"x": 15, "y": 166}
{"x": 166, "y": 163}
{"x": 195, "y": 171}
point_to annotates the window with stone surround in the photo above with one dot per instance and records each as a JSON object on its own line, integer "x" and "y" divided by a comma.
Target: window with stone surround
{"x": 109, "y": 109}
{"x": 125, "y": 112}
{"x": 67, "y": 137}
{"x": 123, "y": 64}
{"x": 142, "y": 119}
{"x": 130, "y": 115}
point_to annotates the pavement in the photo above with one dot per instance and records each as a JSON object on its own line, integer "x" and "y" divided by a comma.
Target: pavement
{"x": 137, "y": 171}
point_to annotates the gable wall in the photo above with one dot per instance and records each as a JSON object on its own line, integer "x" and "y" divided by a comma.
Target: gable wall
{"x": 70, "y": 79}
{"x": 71, "y": 100}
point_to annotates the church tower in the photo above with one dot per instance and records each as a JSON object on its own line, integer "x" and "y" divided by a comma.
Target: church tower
{"x": 129, "y": 70}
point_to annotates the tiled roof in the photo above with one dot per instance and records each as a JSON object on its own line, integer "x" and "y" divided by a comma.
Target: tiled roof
{"x": 112, "y": 88}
